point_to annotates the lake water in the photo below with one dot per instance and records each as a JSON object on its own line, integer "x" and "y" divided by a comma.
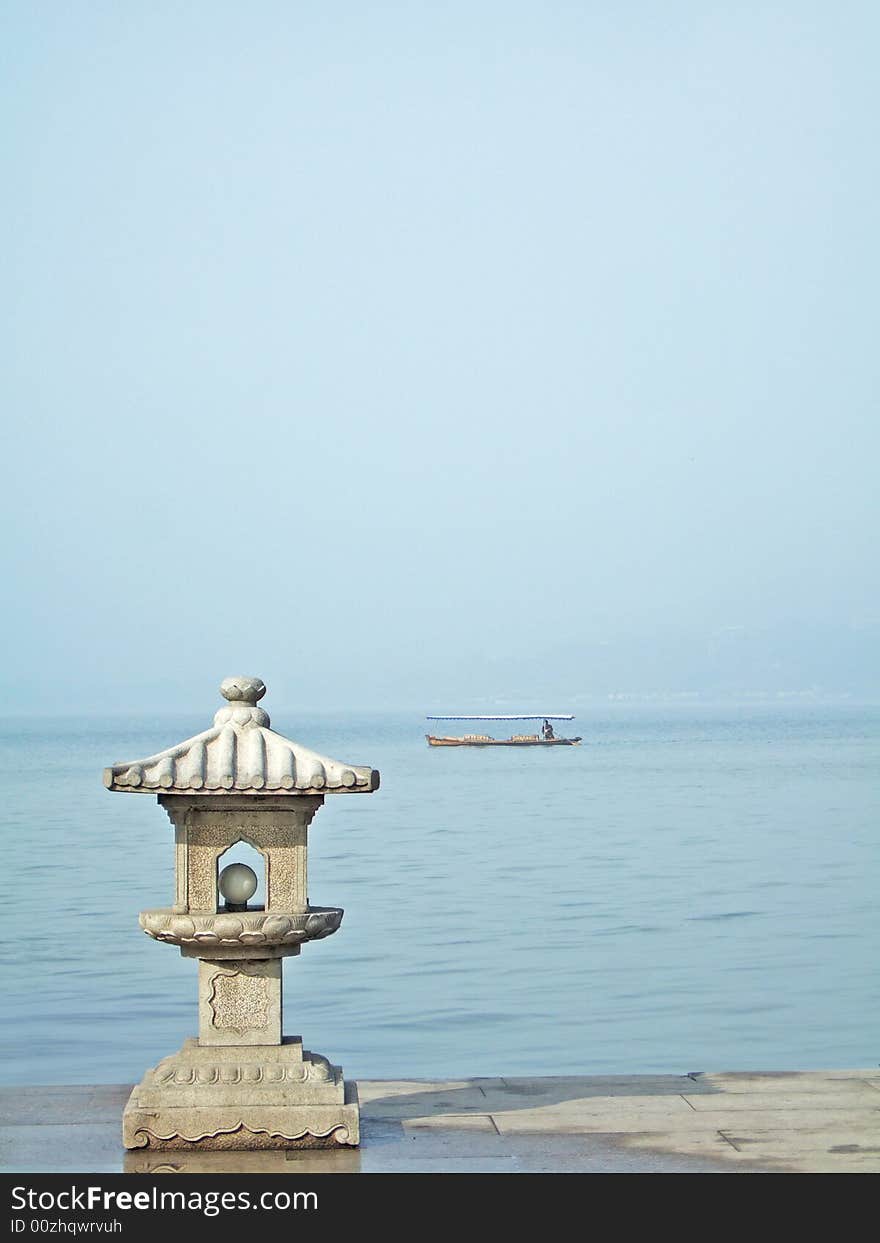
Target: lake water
{"x": 692, "y": 889}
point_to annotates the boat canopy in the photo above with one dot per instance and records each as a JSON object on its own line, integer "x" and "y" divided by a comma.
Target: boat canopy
{"x": 534, "y": 716}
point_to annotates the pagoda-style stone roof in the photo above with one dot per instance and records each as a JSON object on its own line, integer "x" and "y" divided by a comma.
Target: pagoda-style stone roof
{"x": 239, "y": 755}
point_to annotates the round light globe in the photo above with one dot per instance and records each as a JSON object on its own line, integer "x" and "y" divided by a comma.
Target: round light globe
{"x": 238, "y": 882}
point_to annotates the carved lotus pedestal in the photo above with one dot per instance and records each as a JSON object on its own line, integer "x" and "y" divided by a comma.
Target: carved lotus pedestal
{"x": 242, "y": 1097}
{"x": 241, "y": 1084}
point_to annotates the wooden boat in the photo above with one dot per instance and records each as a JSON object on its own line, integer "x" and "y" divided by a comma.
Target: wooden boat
{"x": 546, "y": 737}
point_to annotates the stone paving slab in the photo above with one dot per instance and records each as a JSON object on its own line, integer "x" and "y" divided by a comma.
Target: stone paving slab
{"x": 454, "y": 1122}
{"x": 767, "y": 1077}
{"x": 689, "y": 1143}
{"x": 92, "y": 1147}
{"x": 407, "y": 1098}
{"x": 861, "y": 1098}
{"x": 628, "y": 1120}
{"x": 62, "y": 1105}
{"x": 786, "y": 1081}
{"x": 375, "y": 1089}
{"x": 597, "y": 1085}
{"x": 817, "y": 1152}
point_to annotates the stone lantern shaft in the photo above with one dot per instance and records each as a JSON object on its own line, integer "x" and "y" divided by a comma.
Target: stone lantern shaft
{"x": 242, "y": 1083}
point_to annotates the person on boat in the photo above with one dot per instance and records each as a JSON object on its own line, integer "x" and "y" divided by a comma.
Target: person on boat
{"x": 547, "y": 731}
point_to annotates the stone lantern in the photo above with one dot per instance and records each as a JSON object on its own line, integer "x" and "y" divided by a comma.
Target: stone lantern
{"x": 241, "y": 1084}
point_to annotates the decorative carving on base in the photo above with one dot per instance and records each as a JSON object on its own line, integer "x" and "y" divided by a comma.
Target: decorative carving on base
{"x": 241, "y": 1138}
{"x": 181, "y": 1074}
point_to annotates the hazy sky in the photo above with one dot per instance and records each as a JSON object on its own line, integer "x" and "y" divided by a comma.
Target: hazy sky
{"x": 353, "y": 344}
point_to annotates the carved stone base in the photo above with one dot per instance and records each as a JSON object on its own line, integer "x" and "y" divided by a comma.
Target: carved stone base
{"x": 242, "y": 1097}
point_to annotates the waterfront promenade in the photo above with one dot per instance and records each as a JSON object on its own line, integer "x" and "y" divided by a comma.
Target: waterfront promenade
{"x": 800, "y": 1121}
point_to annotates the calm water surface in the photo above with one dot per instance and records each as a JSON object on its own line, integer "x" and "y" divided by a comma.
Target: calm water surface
{"x": 691, "y": 890}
